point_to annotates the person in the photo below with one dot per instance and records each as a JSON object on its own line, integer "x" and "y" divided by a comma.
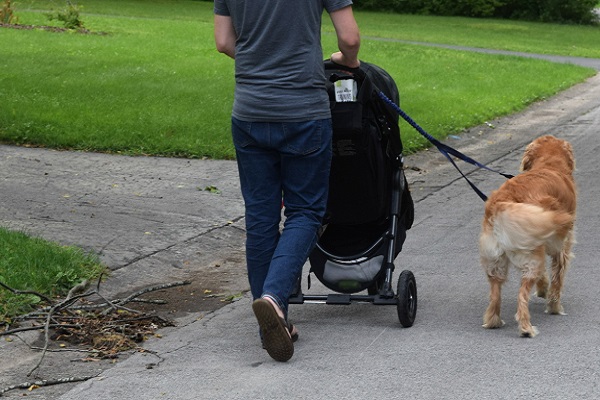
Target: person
{"x": 281, "y": 129}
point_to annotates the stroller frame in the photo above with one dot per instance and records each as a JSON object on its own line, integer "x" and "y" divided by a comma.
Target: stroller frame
{"x": 380, "y": 291}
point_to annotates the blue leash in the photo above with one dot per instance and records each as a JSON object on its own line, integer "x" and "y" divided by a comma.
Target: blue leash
{"x": 443, "y": 148}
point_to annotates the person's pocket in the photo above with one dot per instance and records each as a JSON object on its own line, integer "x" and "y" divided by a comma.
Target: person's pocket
{"x": 303, "y": 138}
{"x": 240, "y": 131}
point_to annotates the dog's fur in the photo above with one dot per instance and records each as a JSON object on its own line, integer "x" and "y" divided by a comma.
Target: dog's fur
{"x": 529, "y": 216}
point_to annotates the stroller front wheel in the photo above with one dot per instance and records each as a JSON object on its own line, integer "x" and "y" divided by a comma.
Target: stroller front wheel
{"x": 407, "y": 298}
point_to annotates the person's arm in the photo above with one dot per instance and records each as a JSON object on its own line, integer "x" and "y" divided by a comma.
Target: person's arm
{"x": 225, "y": 35}
{"x": 348, "y": 36}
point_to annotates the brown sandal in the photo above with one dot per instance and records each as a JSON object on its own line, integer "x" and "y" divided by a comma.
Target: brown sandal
{"x": 293, "y": 335}
{"x": 275, "y": 331}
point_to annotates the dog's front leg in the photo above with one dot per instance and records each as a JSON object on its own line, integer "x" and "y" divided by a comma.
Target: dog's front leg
{"x": 522, "y": 316}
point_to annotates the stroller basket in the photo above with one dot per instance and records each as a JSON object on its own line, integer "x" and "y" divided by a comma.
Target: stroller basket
{"x": 370, "y": 207}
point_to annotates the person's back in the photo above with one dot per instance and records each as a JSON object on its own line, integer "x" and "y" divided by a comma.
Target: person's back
{"x": 279, "y": 60}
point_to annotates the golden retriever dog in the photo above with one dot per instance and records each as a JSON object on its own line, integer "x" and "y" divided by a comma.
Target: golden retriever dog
{"x": 529, "y": 216}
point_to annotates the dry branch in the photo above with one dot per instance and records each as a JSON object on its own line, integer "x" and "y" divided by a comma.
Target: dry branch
{"x": 152, "y": 289}
{"x": 15, "y": 291}
{"x": 108, "y": 327}
{"x": 44, "y": 382}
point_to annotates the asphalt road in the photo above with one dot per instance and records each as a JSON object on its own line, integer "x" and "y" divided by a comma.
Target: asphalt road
{"x": 344, "y": 352}
{"x": 360, "y": 351}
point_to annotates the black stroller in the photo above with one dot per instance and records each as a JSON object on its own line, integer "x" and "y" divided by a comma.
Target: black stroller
{"x": 370, "y": 207}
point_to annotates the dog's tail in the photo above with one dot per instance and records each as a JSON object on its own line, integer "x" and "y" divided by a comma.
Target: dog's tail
{"x": 521, "y": 226}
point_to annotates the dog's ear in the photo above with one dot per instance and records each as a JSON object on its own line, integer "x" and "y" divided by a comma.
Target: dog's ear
{"x": 529, "y": 156}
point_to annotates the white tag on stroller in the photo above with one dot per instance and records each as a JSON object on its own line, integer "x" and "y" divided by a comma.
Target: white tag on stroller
{"x": 345, "y": 90}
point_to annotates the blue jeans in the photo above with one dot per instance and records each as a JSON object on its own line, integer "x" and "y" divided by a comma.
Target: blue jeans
{"x": 281, "y": 161}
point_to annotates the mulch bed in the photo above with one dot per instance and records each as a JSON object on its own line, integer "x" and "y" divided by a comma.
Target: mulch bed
{"x": 50, "y": 28}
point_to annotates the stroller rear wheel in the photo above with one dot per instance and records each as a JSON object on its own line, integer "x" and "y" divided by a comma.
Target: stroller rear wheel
{"x": 407, "y": 298}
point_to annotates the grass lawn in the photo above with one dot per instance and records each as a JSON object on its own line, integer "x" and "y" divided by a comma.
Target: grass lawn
{"x": 154, "y": 84}
{"x": 523, "y": 36}
{"x": 33, "y": 264}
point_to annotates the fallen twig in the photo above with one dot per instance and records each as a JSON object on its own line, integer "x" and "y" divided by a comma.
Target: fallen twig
{"x": 15, "y": 291}
{"x": 36, "y": 328}
{"x": 152, "y": 289}
{"x": 44, "y": 382}
{"x": 89, "y": 307}
{"x": 78, "y": 289}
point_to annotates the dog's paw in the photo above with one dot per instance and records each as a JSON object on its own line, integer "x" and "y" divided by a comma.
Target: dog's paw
{"x": 555, "y": 308}
{"x": 541, "y": 293}
{"x": 530, "y": 332}
{"x": 493, "y": 323}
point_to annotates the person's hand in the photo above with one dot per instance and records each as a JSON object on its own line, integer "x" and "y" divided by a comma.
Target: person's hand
{"x": 339, "y": 58}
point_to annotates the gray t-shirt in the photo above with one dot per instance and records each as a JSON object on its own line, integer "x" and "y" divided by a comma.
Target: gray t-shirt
{"x": 278, "y": 58}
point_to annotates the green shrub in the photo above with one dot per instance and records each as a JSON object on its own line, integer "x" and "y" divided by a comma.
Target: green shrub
{"x": 7, "y": 13}
{"x": 564, "y": 11}
{"x": 468, "y": 8}
{"x": 573, "y": 11}
{"x": 69, "y": 16}
{"x": 380, "y": 5}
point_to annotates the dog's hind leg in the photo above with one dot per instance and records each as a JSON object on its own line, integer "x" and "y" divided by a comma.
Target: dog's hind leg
{"x": 491, "y": 318}
{"x": 542, "y": 286}
{"x": 495, "y": 264}
{"x": 522, "y": 316}
{"x": 560, "y": 264}
{"x": 533, "y": 267}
